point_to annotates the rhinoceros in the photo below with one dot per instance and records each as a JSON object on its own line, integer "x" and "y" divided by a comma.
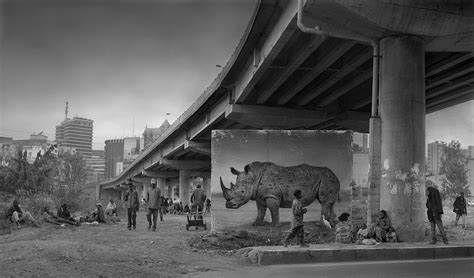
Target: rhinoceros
{"x": 271, "y": 186}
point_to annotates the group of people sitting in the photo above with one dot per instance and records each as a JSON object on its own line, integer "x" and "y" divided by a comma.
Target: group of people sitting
{"x": 177, "y": 208}
{"x": 62, "y": 216}
{"x": 380, "y": 231}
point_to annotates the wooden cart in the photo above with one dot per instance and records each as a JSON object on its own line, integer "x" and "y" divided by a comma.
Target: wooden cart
{"x": 196, "y": 219}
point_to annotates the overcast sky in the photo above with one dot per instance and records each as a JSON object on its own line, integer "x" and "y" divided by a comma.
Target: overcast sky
{"x": 125, "y": 64}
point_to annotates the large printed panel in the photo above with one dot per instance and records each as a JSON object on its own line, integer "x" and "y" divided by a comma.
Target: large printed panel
{"x": 261, "y": 169}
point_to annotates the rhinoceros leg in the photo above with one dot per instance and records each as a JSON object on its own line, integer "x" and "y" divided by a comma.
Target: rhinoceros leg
{"x": 327, "y": 209}
{"x": 274, "y": 207}
{"x": 261, "y": 210}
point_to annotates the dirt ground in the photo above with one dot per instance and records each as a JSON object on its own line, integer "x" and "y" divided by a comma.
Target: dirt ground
{"x": 110, "y": 250}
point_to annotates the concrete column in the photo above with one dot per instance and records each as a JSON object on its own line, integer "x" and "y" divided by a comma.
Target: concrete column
{"x": 184, "y": 184}
{"x": 143, "y": 191}
{"x": 207, "y": 186}
{"x": 373, "y": 206}
{"x": 402, "y": 112}
{"x": 160, "y": 183}
{"x": 170, "y": 191}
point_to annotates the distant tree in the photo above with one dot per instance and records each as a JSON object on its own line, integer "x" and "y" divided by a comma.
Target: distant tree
{"x": 73, "y": 168}
{"x": 453, "y": 169}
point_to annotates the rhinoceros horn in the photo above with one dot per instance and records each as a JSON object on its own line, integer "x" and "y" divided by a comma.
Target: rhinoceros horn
{"x": 225, "y": 191}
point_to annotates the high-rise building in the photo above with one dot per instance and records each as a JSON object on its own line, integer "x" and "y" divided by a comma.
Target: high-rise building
{"x": 76, "y": 133}
{"x": 150, "y": 134}
{"x": 435, "y": 152}
{"x": 113, "y": 154}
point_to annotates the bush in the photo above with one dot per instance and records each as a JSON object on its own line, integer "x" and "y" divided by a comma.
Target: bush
{"x": 35, "y": 202}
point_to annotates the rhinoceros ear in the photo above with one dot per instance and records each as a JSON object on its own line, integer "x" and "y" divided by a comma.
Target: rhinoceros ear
{"x": 233, "y": 171}
{"x": 247, "y": 169}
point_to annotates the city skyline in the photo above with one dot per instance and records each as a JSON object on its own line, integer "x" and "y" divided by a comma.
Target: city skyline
{"x": 127, "y": 66}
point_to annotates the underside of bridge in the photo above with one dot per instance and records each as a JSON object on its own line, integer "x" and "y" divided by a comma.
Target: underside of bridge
{"x": 282, "y": 78}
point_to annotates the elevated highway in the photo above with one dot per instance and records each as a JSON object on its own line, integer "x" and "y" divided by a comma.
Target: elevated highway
{"x": 310, "y": 65}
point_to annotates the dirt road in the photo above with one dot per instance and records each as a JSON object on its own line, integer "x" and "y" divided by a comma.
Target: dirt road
{"x": 109, "y": 251}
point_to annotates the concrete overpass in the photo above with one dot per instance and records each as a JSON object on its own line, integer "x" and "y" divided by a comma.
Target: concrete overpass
{"x": 311, "y": 65}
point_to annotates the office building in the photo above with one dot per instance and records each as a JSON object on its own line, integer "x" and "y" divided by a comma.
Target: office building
{"x": 114, "y": 149}
{"x": 151, "y": 134}
{"x": 76, "y": 133}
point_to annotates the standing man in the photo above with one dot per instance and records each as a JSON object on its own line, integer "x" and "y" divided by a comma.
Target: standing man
{"x": 132, "y": 204}
{"x": 297, "y": 221}
{"x": 197, "y": 199}
{"x": 435, "y": 210}
{"x": 460, "y": 208}
{"x": 154, "y": 204}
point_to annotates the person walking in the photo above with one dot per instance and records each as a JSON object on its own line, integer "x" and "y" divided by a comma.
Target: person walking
{"x": 132, "y": 204}
{"x": 435, "y": 211}
{"x": 460, "y": 208}
{"x": 297, "y": 221}
{"x": 154, "y": 204}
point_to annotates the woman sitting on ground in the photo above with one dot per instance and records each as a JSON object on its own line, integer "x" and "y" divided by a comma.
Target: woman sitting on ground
{"x": 343, "y": 229}
{"x": 381, "y": 227}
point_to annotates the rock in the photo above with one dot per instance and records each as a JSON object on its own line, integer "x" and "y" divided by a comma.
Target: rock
{"x": 242, "y": 234}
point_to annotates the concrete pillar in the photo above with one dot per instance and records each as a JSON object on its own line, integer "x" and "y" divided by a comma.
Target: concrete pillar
{"x": 170, "y": 191}
{"x": 402, "y": 112}
{"x": 373, "y": 206}
{"x": 142, "y": 190}
{"x": 184, "y": 184}
{"x": 160, "y": 183}
{"x": 207, "y": 186}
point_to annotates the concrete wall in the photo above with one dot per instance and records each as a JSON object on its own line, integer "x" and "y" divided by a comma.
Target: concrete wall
{"x": 237, "y": 148}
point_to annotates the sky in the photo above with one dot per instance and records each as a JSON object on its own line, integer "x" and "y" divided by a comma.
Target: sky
{"x": 127, "y": 63}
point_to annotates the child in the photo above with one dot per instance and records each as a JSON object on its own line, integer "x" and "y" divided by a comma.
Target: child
{"x": 391, "y": 235}
{"x": 297, "y": 221}
{"x": 363, "y": 233}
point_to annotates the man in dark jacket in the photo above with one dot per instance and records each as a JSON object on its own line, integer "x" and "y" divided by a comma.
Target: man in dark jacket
{"x": 460, "y": 208}
{"x": 132, "y": 204}
{"x": 435, "y": 211}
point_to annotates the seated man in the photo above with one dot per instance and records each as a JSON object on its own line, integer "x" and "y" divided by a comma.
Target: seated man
{"x": 97, "y": 215}
{"x": 63, "y": 215}
{"x": 186, "y": 209}
{"x": 16, "y": 215}
{"x": 111, "y": 209}
{"x": 49, "y": 217}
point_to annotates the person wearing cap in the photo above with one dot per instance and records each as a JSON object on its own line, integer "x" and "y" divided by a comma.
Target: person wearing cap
{"x": 132, "y": 204}
{"x": 153, "y": 199}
